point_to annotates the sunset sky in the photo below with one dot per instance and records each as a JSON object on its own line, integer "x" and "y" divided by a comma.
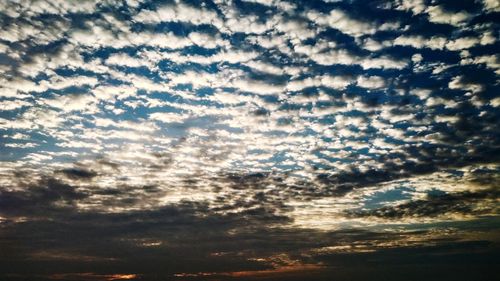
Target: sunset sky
{"x": 333, "y": 140}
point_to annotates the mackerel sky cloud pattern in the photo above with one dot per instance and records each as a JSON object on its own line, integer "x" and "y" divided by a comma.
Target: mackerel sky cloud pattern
{"x": 249, "y": 139}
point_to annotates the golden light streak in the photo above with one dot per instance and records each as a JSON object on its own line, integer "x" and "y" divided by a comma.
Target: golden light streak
{"x": 299, "y": 268}
{"x": 88, "y": 276}
{"x": 122, "y": 276}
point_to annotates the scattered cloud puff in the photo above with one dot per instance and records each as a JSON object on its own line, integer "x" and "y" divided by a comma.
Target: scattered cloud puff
{"x": 491, "y": 5}
{"x": 438, "y": 14}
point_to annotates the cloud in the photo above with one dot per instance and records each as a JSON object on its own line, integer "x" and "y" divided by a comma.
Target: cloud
{"x": 59, "y": 82}
{"x": 372, "y": 82}
{"x": 372, "y": 45}
{"x": 179, "y": 13}
{"x": 462, "y": 43}
{"x": 12, "y": 104}
{"x": 18, "y": 88}
{"x": 334, "y": 82}
{"x": 419, "y": 42}
{"x": 416, "y": 6}
{"x": 383, "y": 62}
{"x": 491, "y": 5}
{"x": 34, "y": 118}
{"x": 206, "y": 40}
{"x": 463, "y": 203}
{"x": 344, "y": 57}
{"x": 98, "y": 37}
{"x": 125, "y": 60}
{"x": 285, "y": 140}
{"x": 343, "y": 22}
{"x": 167, "y": 117}
{"x": 495, "y": 102}
{"x": 78, "y": 173}
{"x": 72, "y": 102}
{"x": 230, "y": 56}
{"x": 491, "y": 61}
{"x": 295, "y": 29}
{"x": 438, "y": 14}
{"x": 37, "y": 200}
{"x": 460, "y": 83}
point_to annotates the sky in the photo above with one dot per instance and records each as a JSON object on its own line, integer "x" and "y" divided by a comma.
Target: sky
{"x": 249, "y": 140}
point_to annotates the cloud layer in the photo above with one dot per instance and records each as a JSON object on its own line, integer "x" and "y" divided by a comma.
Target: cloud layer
{"x": 282, "y": 139}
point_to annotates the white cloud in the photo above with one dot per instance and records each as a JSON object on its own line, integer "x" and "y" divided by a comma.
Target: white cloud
{"x": 67, "y": 56}
{"x": 462, "y": 43}
{"x": 372, "y": 45}
{"x": 448, "y": 103}
{"x": 438, "y": 43}
{"x": 342, "y": 56}
{"x": 110, "y": 93}
{"x": 416, "y": 6}
{"x": 38, "y": 32}
{"x": 59, "y": 82}
{"x": 18, "y": 87}
{"x": 206, "y": 40}
{"x": 439, "y": 15}
{"x": 419, "y": 42}
{"x": 446, "y": 119}
{"x": 97, "y": 36}
{"x": 416, "y": 58}
{"x": 231, "y": 98}
{"x": 230, "y": 56}
{"x": 341, "y": 21}
{"x": 179, "y": 12}
{"x": 125, "y": 60}
{"x": 371, "y": 82}
{"x": 12, "y": 104}
{"x": 334, "y": 82}
{"x": 72, "y": 102}
{"x": 421, "y": 93}
{"x": 458, "y": 83}
{"x": 383, "y": 62}
{"x": 491, "y": 61}
{"x": 269, "y": 42}
{"x": 58, "y": 7}
{"x": 202, "y": 79}
{"x": 495, "y": 102}
{"x": 295, "y": 29}
{"x": 283, "y": 5}
{"x": 491, "y": 5}
{"x": 129, "y": 125}
{"x": 258, "y": 87}
{"x": 394, "y": 118}
{"x": 16, "y": 32}
{"x": 38, "y": 118}
{"x": 265, "y": 67}
{"x": 488, "y": 38}
{"x": 234, "y": 21}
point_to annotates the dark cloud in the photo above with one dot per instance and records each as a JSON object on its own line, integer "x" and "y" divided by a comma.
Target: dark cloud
{"x": 183, "y": 239}
{"x": 461, "y": 203}
{"x": 79, "y": 174}
{"x": 38, "y": 199}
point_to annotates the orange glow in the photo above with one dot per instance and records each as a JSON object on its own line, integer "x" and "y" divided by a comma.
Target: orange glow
{"x": 279, "y": 270}
{"x": 196, "y": 274}
{"x": 122, "y": 276}
{"x": 258, "y": 273}
{"x": 92, "y": 276}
